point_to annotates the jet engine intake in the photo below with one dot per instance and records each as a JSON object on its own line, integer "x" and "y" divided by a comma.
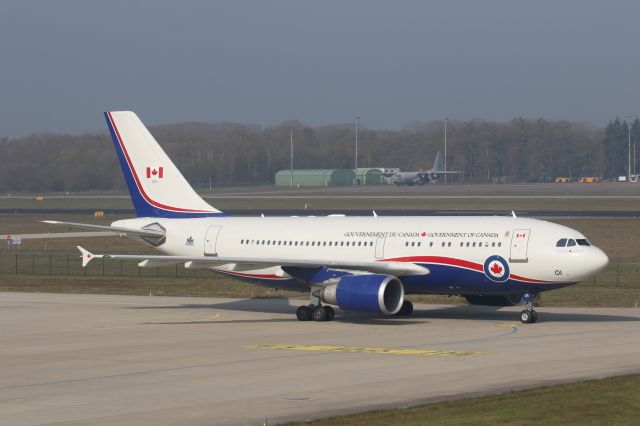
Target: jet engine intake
{"x": 372, "y": 293}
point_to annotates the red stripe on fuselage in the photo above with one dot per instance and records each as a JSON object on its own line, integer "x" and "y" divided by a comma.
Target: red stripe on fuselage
{"x": 440, "y": 260}
{"x": 139, "y": 184}
{"x": 450, "y": 261}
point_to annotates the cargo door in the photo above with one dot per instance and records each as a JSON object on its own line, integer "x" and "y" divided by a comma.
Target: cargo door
{"x": 520, "y": 245}
{"x": 211, "y": 241}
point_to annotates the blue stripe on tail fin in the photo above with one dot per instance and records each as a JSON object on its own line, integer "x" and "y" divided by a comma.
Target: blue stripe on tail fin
{"x": 167, "y": 193}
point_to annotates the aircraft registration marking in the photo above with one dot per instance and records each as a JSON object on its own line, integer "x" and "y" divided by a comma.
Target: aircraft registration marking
{"x": 357, "y": 349}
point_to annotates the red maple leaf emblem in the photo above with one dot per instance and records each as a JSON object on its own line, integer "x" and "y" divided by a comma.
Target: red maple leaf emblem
{"x": 496, "y": 269}
{"x": 424, "y": 234}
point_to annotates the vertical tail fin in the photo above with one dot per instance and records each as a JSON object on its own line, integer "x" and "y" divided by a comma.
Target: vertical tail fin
{"x": 157, "y": 187}
{"x": 438, "y": 165}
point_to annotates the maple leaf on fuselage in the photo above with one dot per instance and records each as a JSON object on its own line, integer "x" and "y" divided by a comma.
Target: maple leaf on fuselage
{"x": 496, "y": 269}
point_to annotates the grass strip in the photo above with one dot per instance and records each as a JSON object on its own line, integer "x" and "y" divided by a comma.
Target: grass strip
{"x": 595, "y": 402}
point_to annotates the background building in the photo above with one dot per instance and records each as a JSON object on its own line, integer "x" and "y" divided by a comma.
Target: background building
{"x": 367, "y": 176}
{"x": 315, "y": 177}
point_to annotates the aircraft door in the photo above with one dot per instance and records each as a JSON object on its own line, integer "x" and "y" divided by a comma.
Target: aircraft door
{"x": 519, "y": 245}
{"x": 380, "y": 247}
{"x": 211, "y": 241}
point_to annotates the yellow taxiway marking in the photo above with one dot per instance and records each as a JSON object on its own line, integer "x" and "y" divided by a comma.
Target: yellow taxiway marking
{"x": 356, "y": 349}
{"x": 216, "y": 316}
{"x": 507, "y": 325}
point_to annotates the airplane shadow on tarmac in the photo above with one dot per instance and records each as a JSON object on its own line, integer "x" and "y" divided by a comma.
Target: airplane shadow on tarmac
{"x": 496, "y": 314}
{"x": 419, "y": 316}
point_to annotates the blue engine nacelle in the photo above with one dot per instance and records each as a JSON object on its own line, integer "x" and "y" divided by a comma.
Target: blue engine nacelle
{"x": 382, "y": 294}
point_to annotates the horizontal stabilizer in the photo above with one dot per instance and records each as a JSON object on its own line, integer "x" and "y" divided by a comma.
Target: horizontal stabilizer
{"x": 115, "y": 229}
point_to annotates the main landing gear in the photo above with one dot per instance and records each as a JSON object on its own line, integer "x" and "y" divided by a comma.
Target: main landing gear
{"x": 406, "y": 309}
{"x": 528, "y": 315}
{"x": 315, "y": 313}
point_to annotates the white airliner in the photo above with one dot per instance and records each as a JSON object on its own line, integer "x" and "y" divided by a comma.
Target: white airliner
{"x": 360, "y": 264}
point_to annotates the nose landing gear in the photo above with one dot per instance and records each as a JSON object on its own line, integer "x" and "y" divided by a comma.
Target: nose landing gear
{"x": 528, "y": 315}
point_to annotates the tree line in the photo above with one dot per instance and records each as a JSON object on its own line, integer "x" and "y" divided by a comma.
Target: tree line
{"x": 233, "y": 154}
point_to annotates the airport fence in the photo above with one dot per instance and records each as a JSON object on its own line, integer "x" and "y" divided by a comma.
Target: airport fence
{"x": 66, "y": 264}
{"x": 617, "y": 274}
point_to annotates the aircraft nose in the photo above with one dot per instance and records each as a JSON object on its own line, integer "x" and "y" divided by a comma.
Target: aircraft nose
{"x": 599, "y": 260}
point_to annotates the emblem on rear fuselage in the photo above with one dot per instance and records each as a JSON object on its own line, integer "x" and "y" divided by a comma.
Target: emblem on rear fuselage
{"x": 496, "y": 269}
{"x": 189, "y": 241}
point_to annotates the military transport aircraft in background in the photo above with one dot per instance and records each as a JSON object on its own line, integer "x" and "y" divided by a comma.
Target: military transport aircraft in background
{"x": 360, "y": 264}
{"x": 423, "y": 176}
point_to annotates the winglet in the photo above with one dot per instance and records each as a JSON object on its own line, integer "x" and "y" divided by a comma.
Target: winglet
{"x": 374, "y": 213}
{"x": 86, "y": 256}
{"x": 513, "y": 213}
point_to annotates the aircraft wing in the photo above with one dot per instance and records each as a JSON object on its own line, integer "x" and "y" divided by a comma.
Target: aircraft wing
{"x": 385, "y": 267}
{"x": 152, "y": 233}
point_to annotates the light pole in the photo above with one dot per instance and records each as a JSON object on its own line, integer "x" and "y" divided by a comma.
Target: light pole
{"x": 629, "y": 167}
{"x": 445, "y": 150}
{"x": 292, "y": 158}
{"x": 356, "y": 170}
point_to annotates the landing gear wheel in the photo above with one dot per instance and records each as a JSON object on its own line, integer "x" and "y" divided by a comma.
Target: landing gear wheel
{"x": 406, "y": 309}
{"x": 319, "y": 313}
{"x": 528, "y": 317}
{"x": 304, "y": 313}
{"x": 331, "y": 314}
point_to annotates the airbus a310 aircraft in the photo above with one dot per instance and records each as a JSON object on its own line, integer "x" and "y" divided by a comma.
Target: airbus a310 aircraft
{"x": 360, "y": 264}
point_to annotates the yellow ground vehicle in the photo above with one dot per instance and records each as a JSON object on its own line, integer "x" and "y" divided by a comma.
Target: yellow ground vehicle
{"x": 589, "y": 179}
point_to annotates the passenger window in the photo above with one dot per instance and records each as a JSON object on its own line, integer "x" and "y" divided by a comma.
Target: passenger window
{"x": 499, "y": 244}
{"x": 461, "y": 244}
{"x": 561, "y": 242}
{"x": 431, "y": 244}
{"x": 449, "y": 244}
{"x": 571, "y": 243}
{"x": 493, "y": 244}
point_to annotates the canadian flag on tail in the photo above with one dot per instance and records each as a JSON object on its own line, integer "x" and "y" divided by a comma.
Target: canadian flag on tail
{"x": 155, "y": 173}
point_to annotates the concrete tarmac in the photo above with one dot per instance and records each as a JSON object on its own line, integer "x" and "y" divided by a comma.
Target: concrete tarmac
{"x": 103, "y": 360}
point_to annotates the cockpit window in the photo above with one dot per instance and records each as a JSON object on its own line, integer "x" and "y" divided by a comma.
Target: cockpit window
{"x": 571, "y": 243}
{"x": 561, "y": 242}
{"x": 583, "y": 242}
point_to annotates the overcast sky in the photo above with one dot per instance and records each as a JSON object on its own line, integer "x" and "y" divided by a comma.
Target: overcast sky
{"x": 394, "y": 62}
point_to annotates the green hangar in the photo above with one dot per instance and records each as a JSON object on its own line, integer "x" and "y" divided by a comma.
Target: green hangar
{"x": 315, "y": 177}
